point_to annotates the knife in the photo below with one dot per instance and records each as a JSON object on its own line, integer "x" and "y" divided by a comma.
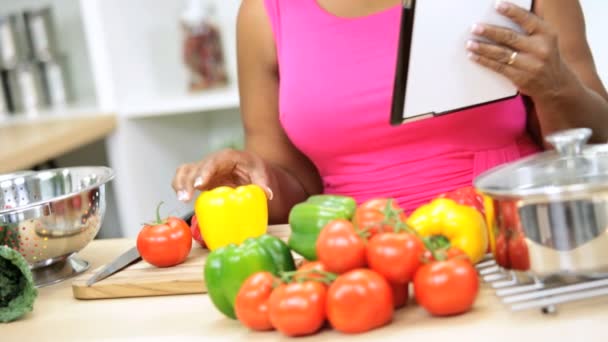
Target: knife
{"x": 127, "y": 258}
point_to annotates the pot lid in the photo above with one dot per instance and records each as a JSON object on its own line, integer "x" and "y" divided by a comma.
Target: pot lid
{"x": 571, "y": 167}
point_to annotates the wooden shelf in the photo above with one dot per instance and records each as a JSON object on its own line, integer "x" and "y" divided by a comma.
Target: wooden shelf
{"x": 25, "y": 144}
{"x": 209, "y": 100}
{"x": 78, "y": 110}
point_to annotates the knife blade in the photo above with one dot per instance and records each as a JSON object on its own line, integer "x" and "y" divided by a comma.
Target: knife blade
{"x": 127, "y": 258}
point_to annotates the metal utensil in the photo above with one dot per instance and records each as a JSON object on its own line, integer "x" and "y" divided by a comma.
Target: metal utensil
{"x": 551, "y": 208}
{"x": 13, "y": 44}
{"x": 127, "y": 258}
{"x": 50, "y": 215}
{"x": 40, "y": 28}
{"x": 56, "y": 81}
{"x": 26, "y": 89}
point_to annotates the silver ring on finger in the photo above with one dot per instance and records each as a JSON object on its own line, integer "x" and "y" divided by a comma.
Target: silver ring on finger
{"x": 512, "y": 58}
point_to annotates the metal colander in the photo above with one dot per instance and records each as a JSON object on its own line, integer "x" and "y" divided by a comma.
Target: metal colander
{"x": 50, "y": 215}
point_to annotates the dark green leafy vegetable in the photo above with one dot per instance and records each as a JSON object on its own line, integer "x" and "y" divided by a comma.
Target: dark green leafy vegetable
{"x": 17, "y": 291}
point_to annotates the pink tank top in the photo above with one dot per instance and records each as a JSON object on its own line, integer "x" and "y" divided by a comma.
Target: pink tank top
{"x": 336, "y": 79}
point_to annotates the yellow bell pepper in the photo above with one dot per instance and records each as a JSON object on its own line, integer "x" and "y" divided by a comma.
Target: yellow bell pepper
{"x": 231, "y": 215}
{"x": 488, "y": 204}
{"x": 463, "y": 226}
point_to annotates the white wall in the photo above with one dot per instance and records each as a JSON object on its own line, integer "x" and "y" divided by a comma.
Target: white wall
{"x": 597, "y": 30}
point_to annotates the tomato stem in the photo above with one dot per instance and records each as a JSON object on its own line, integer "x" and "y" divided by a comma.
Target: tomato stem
{"x": 158, "y": 218}
{"x": 392, "y": 217}
{"x": 308, "y": 275}
{"x": 438, "y": 246}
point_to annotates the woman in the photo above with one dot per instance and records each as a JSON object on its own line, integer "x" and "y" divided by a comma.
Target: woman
{"x": 315, "y": 79}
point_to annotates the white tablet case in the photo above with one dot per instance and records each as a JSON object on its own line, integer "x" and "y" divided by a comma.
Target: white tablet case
{"x": 439, "y": 77}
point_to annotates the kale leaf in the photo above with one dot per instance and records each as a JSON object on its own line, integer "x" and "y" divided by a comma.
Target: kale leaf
{"x": 17, "y": 290}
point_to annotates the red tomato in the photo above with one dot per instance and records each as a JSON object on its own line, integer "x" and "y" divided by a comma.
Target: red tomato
{"x": 298, "y": 309}
{"x": 371, "y": 215}
{"x": 395, "y": 256}
{"x": 304, "y": 272}
{"x": 251, "y": 304}
{"x": 501, "y": 254}
{"x": 447, "y": 287}
{"x": 467, "y": 196}
{"x": 470, "y": 197}
{"x": 358, "y": 301}
{"x": 196, "y": 232}
{"x": 451, "y": 253}
{"x": 339, "y": 247}
{"x": 166, "y": 243}
{"x": 400, "y": 294}
{"x": 519, "y": 257}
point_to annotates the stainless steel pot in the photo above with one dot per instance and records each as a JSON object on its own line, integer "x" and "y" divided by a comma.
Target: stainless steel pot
{"x": 552, "y": 209}
{"x": 26, "y": 89}
{"x": 40, "y": 28}
{"x": 57, "y": 86}
{"x": 13, "y": 45}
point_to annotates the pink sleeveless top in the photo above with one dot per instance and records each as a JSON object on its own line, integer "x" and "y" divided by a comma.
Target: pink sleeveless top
{"x": 336, "y": 79}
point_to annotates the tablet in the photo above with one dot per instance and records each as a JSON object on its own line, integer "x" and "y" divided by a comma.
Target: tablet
{"x": 434, "y": 75}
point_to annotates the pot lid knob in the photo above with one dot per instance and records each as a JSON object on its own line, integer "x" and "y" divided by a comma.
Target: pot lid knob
{"x": 569, "y": 142}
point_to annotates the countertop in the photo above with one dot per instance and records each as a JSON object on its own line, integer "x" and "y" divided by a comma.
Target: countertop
{"x": 28, "y": 143}
{"x": 57, "y": 316}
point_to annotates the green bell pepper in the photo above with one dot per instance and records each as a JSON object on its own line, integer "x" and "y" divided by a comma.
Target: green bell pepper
{"x": 308, "y": 218}
{"x": 226, "y": 268}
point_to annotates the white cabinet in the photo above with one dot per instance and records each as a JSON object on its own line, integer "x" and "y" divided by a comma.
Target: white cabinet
{"x": 135, "y": 49}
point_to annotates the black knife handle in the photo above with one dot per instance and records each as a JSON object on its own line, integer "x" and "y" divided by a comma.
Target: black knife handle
{"x": 188, "y": 217}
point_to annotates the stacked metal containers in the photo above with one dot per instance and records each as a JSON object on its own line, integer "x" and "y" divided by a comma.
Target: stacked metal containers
{"x": 34, "y": 72}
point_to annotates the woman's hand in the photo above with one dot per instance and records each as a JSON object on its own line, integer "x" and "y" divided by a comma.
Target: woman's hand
{"x": 530, "y": 60}
{"x": 227, "y": 167}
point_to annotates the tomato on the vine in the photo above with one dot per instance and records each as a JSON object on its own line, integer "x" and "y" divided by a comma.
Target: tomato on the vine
{"x": 358, "y": 301}
{"x": 311, "y": 270}
{"x": 165, "y": 243}
{"x": 446, "y": 287}
{"x": 467, "y": 196}
{"x": 251, "y": 304}
{"x": 401, "y": 294}
{"x": 339, "y": 247}
{"x": 371, "y": 215}
{"x": 298, "y": 309}
{"x": 519, "y": 258}
{"x": 395, "y": 256}
{"x": 450, "y": 253}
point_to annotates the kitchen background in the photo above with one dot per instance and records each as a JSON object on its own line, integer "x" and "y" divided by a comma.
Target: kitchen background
{"x": 125, "y": 57}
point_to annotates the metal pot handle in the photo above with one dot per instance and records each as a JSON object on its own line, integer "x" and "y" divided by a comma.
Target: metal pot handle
{"x": 569, "y": 143}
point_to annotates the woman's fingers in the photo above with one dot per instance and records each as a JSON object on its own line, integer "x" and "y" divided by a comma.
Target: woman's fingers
{"x": 259, "y": 176}
{"x": 503, "y": 55}
{"x": 181, "y": 182}
{"x": 501, "y": 68}
{"x": 527, "y": 20}
{"x": 504, "y": 36}
{"x": 229, "y": 167}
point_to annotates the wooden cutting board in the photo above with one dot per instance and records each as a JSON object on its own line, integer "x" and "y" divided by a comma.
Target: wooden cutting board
{"x": 145, "y": 280}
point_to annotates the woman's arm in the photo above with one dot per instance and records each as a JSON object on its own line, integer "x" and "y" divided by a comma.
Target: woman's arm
{"x": 292, "y": 177}
{"x": 553, "y": 66}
